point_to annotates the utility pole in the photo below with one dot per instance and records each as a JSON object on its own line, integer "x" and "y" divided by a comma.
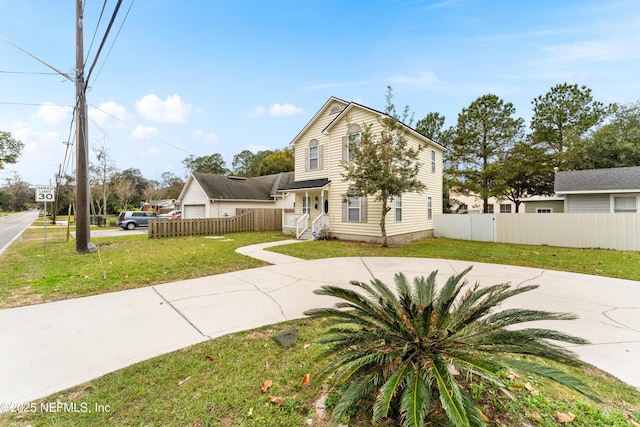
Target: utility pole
{"x": 83, "y": 227}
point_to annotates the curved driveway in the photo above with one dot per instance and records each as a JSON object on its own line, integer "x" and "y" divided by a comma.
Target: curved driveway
{"x": 50, "y": 347}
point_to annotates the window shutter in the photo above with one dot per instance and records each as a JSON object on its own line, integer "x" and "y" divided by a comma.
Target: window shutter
{"x": 344, "y": 209}
{"x": 306, "y": 159}
{"x": 363, "y": 209}
{"x": 320, "y": 157}
{"x": 345, "y": 148}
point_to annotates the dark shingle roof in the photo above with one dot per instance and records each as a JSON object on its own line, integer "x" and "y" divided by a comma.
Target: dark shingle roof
{"x": 306, "y": 185}
{"x": 239, "y": 188}
{"x": 598, "y": 180}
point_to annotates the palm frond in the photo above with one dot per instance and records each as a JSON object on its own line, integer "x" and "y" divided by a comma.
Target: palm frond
{"x": 416, "y": 400}
{"x": 388, "y": 392}
{"x": 450, "y": 395}
{"x": 358, "y": 389}
{"x": 509, "y": 317}
{"x": 425, "y": 288}
{"x": 556, "y": 375}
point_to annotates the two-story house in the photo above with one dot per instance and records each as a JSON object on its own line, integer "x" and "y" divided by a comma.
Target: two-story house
{"x": 322, "y": 205}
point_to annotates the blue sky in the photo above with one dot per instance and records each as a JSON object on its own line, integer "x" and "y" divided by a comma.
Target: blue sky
{"x": 220, "y": 76}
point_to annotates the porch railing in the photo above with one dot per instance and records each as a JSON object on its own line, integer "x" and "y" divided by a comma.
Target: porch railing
{"x": 302, "y": 225}
{"x": 321, "y": 223}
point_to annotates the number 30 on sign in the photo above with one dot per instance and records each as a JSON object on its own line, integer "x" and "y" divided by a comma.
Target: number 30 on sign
{"x": 45, "y": 193}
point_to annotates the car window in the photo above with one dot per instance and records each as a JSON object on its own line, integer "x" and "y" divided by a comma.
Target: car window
{"x": 138, "y": 214}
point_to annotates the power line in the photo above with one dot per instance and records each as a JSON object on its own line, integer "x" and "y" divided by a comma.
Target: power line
{"x": 28, "y": 72}
{"x": 95, "y": 32}
{"x": 104, "y": 39}
{"x": 114, "y": 40}
{"x": 38, "y": 59}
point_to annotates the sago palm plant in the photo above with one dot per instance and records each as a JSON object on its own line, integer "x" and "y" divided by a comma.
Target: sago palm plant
{"x": 407, "y": 352}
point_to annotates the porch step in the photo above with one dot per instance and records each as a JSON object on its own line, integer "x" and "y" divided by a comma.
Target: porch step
{"x": 306, "y": 235}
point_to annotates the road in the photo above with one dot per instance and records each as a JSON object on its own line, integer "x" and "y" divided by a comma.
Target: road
{"x": 12, "y": 226}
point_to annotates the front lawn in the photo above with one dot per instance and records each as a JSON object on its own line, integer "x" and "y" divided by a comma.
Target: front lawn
{"x": 32, "y": 272}
{"x": 599, "y": 262}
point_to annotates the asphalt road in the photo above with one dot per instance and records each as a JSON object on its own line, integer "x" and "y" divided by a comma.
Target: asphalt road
{"x": 12, "y": 226}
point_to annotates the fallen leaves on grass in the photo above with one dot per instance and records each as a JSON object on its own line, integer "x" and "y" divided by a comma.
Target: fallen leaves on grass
{"x": 565, "y": 418}
{"x": 532, "y": 389}
{"x": 277, "y": 400}
{"x": 306, "y": 379}
{"x": 266, "y": 385}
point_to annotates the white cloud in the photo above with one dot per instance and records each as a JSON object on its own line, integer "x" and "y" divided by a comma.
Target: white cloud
{"x": 171, "y": 110}
{"x": 109, "y": 112}
{"x": 277, "y": 110}
{"x": 209, "y": 138}
{"x": 256, "y": 148}
{"x": 258, "y": 111}
{"x": 54, "y": 114}
{"x": 144, "y": 132}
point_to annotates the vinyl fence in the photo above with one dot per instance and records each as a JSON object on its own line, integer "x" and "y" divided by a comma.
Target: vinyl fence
{"x": 245, "y": 220}
{"x": 619, "y": 231}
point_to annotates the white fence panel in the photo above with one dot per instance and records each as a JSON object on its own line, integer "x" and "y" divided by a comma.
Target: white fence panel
{"x": 619, "y": 231}
{"x": 575, "y": 230}
{"x": 479, "y": 227}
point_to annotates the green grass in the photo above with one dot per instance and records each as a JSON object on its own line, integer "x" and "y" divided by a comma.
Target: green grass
{"x": 31, "y": 272}
{"x": 600, "y": 262}
{"x": 218, "y": 383}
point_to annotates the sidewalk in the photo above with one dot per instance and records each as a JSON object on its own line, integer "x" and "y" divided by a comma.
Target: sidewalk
{"x": 50, "y": 347}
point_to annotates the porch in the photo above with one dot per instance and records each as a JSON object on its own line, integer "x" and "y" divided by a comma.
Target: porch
{"x": 311, "y": 219}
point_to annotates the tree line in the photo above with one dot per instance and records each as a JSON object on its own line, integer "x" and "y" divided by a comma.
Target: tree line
{"x": 491, "y": 153}
{"x": 114, "y": 190}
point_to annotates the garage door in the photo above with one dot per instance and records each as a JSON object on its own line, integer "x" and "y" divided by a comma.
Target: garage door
{"x": 193, "y": 211}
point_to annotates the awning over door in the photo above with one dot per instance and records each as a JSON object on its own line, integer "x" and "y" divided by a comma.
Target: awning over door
{"x": 310, "y": 184}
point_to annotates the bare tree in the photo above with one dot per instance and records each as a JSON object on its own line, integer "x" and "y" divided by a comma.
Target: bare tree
{"x": 124, "y": 191}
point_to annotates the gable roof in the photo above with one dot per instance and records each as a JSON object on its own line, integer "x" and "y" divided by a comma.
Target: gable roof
{"x": 353, "y": 105}
{"x": 348, "y": 106}
{"x": 598, "y": 181}
{"x": 220, "y": 187}
{"x": 331, "y": 101}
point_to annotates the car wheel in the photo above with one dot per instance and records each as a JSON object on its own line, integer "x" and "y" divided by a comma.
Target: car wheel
{"x": 131, "y": 226}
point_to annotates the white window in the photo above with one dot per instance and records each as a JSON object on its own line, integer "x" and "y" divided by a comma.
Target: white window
{"x": 433, "y": 161}
{"x": 306, "y": 205}
{"x": 505, "y": 208}
{"x": 429, "y": 208}
{"x": 354, "y": 141}
{"x": 463, "y": 208}
{"x": 544, "y": 210}
{"x": 624, "y": 204}
{"x": 314, "y": 160}
{"x": 398, "y": 208}
{"x": 354, "y": 209}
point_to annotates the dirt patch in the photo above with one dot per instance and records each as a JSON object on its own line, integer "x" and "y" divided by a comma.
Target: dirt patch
{"x": 263, "y": 334}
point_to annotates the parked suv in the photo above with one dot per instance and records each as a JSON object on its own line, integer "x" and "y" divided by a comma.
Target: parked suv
{"x": 132, "y": 219}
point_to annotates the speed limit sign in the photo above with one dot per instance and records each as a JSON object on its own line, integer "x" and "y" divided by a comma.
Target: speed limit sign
{"x": 45, "y": 193}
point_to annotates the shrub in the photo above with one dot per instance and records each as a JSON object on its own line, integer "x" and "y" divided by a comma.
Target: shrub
{"x": 403, "y": 357}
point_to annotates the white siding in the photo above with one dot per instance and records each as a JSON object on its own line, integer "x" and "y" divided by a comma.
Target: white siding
{"x": 585, "y": 203}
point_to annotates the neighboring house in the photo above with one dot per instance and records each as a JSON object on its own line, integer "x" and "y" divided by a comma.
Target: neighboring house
{"x": 614, "y": 190}
{"x": 471, "y": 203}
{"x": 322, "y": 204}
{"x": 544, "y": 204}
{"x": 160, "y": 206}
{"x": 218, "y": 196}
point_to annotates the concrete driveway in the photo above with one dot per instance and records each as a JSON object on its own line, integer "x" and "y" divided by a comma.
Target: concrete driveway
{"x": 50, "y": 347}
